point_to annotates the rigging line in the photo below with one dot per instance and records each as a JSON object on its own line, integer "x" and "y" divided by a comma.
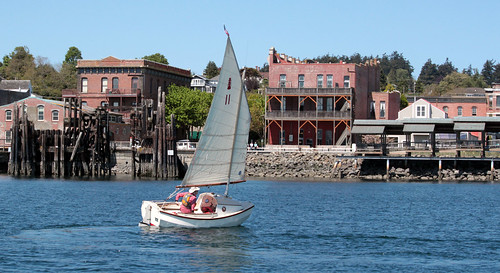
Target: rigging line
{"x": 173, "y": 194}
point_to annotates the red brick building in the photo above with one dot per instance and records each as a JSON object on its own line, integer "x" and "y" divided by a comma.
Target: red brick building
{"x": 314, "y": 104}
{"x": 385, "y": 105}
{"x": 122, "y": 84}
{"x": 468, "y": 102}
{"x": 49, "y": 115}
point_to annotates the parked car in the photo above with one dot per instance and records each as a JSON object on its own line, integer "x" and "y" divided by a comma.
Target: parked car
{"x": 185, "y": 144}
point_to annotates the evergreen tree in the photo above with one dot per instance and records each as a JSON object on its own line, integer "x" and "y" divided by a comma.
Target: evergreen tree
{"x": 496, "y": 73}
{"x": 445, "y": 69}
{"x": 488, "y": 71}
{"x": 211, "y": 70}
{"x": 429, "y": 73}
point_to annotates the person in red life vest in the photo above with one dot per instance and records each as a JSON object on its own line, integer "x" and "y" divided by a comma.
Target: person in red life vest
{"x": 188, "y": 201}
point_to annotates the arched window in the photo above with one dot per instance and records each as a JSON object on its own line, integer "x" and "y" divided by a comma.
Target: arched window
{"x": 474, "y": 110}
{"x": 115, "y": 83}
{"x": 55, "y": 115}
{"x": 135, "y": 83}
{"x": 40, "y": 112}
{"x": 104, "y": 84}
{"x": 8, "y": 115}
{"x": 84, "y": 85}
{"x": 445, "y": 110}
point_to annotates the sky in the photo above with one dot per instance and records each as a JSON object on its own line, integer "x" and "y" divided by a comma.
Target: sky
{"x": 190, "y": 33}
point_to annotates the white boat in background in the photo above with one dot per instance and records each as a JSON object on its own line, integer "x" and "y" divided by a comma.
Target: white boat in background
{"x": 219, "y": 159}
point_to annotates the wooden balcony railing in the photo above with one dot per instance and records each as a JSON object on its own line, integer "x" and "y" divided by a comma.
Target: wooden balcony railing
{"x": 309, "y": 91}
{"x": 308, "y": 114}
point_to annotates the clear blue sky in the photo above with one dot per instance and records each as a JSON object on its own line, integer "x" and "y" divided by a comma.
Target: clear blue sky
{"x": 190, "y": 33}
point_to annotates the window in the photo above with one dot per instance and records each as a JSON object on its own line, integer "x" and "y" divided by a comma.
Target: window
{"x": 283, "y": 104}
{"x": 474, "y": 110}
{"x": 55, "y": 115}
{"x": 490, "y": 101}
{"x": 40, "y": 112}
{"x": 84, "y": 85}
{"x": 115, "y": 83}
{"x": 282, "y": 80}
{"x": 459, "y": 111}
{"x": 346, "y": 81}
{"x": 445, "y": 109}
{"x": 301, "y": 81}
{"x": 103, "y": 103}
{"x": 135, "y": 82}
{"x": 104, "y": 84}
{"x": 320, "y": 104}
{"x": 8, "y": 137}
{"x": 382, "y": 109}
{"x": 329, "y": 104}
{"x": 329, "y": 81}
{"x": 320, "y": 81}
{"x": 84, "y": 103}
{"x": 8, "y": 115}
{"x": 498, "y": 101}
{"x": 420, "y": 111}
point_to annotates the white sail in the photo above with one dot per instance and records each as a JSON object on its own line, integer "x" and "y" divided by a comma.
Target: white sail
{"x": 221, "y": 153}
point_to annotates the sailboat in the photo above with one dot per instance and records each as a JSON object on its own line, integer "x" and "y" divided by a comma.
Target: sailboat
{"x": 219, "y": 159}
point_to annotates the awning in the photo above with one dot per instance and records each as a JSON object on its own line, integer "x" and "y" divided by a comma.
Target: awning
{"x": 367, "y": 130}
{"x": 469, "y": 127}
{"x": 418, "y": 128}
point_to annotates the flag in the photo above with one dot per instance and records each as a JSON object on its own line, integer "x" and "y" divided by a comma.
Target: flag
{"x": 227, "y": 33}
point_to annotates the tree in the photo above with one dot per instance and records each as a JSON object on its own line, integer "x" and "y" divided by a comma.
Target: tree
{"x": 394, "y": 61}
{"x": 189, "y": 106}
{"x": 429, "y": 73}
{"x": 72, "y": 56}
{"x": 45, "y": 80}
{"x": 211, "y": 70}
{"x": 252, "y": 78}
{"x": 157, "y": 57}
{"x": 445, "y": 69}
{"x": 19, "y": 64}
{"x": 403, "y": 103}
{"x": 67, "y": 73}
{"x": 487, "y": 71}
{"x": 496, "y": 73}
{"x": 264, "y": 68}
{"x": 256, "y": 103}
{"x": 401, "y": 78}
{"x": 458, "y": 80}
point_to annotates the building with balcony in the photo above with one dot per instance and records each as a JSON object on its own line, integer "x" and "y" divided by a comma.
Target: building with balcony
{"x": 314, "y": 104}
{"x": 123, "y": 84}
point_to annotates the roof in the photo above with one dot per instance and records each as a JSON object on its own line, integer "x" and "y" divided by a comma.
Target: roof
{"x": 115, "y": 62}
{"x": 367, "y": 130}
{"x": 15, "y": 85}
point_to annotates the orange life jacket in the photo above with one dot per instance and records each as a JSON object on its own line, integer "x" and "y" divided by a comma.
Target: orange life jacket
{"x": 186, "y": 202}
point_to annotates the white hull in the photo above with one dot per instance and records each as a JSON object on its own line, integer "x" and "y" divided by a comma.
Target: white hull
{"x": 228, "y": 213}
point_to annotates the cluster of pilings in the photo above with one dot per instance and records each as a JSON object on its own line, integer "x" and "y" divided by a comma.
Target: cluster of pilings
{"x": 82, "y": 148}
{"x": 154, "y": 153}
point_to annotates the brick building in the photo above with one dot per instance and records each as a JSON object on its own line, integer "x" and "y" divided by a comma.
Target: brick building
{"x": 123, "y": 84}
{"x": 465, "y": 102}
{"x": 314, "y": 104}
{"x": 49, "y": 115}
{"x": 385, "y": 105}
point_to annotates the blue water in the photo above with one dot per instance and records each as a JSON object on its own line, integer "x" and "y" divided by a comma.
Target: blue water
{"x": 51, "y": 225}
